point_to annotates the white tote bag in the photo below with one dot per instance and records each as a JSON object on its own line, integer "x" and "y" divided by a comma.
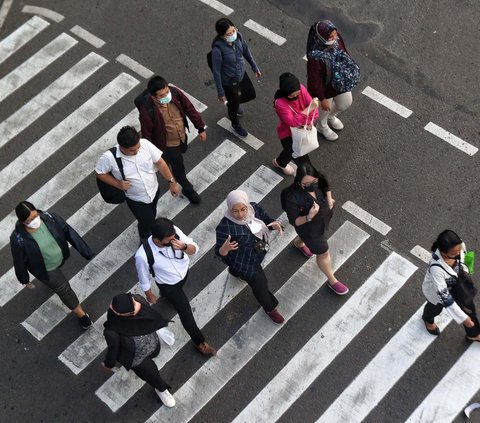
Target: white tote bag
{"x": 304, "y": 138}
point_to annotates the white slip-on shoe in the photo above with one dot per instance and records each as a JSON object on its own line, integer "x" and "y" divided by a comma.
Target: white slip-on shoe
{"x": 166, "y": 397}
{"x": 335, "y": 123}
{"x": 327, "y": 133}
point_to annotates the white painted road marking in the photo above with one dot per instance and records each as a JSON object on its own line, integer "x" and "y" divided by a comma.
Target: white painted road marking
{"x": 207, "y": 304}
{"x": 43, "y": 11}
{"x": 265, "y": 32}
{"x": 421, "y": 253}
{"x": 47, "y": 98}
{"x": 78, "y": 120}
{"x": 134, "y": 66}
{"x": 447, "y": 400}
{"x": 451, "y": 139}
{"x": 307, "y": 364}
{"x": 366, "y": 217}
{"x": 387, "y": 102}
{"x": 381, "y": 373}
{"x": 122, "y": 248}
{"x": 255, "y": 333}
{"x": 7, "y": 4}
{"x": 249, "y": 139}
{"x": 87, "y": 36}
{"x": 35, "y": 64}
{"x": 21, "y": 36}
{"x": 224, "y": 10}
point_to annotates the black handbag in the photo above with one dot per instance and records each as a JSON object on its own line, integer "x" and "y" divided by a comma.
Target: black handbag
{"x": 109, "y": 193}
{"x": 465, "y": 289}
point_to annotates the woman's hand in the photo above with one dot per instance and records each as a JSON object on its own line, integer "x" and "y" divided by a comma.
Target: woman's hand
{"x": 331, "y": 203}
{"x": 222, "y": 99}
{"x": 313, "y": 211}
{"x": 228, "y": 246}
{"x": 468, "y": 323}
{"x": 325, "y": 104}
{"x": 277, "y": 226}
{"x": 315, "y": 103}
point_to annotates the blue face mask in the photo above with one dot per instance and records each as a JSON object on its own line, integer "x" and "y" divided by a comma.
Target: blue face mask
{"x": 231, "y": 38}
{"x": 167, "y": 99}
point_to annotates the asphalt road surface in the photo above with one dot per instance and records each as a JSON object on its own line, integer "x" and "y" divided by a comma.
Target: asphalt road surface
{"x": 404, "y": 168}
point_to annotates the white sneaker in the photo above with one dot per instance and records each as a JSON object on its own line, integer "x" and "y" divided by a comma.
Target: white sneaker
{"x": 327, "y": 133}
{"x": 166, "y": 397}
{"x": 287, "y": 170}
{"x": 335, "y": 123}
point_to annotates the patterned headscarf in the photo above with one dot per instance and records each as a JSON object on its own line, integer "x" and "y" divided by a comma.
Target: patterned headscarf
{"x": 318, "y": 36}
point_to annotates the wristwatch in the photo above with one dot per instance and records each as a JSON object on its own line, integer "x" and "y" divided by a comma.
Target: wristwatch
{"x": 171, "y": 181}
{"x": 307, "y": 219}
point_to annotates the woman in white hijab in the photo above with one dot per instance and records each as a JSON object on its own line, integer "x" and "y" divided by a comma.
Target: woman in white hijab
{"x": 242, "y": 242}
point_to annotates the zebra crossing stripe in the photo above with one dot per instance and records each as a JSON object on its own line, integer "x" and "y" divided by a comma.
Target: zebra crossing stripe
{"x": 56, "y": 138}
{"x": 121, "y": 249}
{"x": 47, "y": 98}
{"x": 381, "y": 374}
{"x": 255, "y": 333}
{"x": 68, "y": 178}
{"x": 444, "y": 403}
{"x": 302, "y": 370}
{"x": 207, "y": 304}
{"x": 35, "y": 64}
{"x": 252, "y": 141}
{"x": 21, "y": 36}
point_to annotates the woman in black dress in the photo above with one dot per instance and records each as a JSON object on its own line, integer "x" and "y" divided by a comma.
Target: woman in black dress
{"x": 308, "y": 203}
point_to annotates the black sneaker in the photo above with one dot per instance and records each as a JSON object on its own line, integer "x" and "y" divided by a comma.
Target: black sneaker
{"x": 85, "y": 321}
{"x": 192, "y": 195}
{"x": 239, "y": 130}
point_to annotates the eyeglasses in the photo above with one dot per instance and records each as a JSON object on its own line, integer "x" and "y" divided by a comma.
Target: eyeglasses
{"x": 314, "y": 182}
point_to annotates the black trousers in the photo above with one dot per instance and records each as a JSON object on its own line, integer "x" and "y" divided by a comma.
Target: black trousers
{"x": 177, "y": 298}
{"x": 147, "y": 370}
{"x": 174, "y": 157}
{"x": 240, "y": 92}
{"x": 259, "y": 285}
{"x": 145, "y": 213}
{"x": 59, "y": 284}
{"x": 286, "y": 154}
{"x": 433, "y": 310}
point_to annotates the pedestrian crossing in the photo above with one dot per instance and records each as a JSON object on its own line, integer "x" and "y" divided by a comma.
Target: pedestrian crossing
{"x": 313, "y": 356}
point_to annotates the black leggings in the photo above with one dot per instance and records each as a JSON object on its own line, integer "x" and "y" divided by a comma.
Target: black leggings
{"x": 147, "y": 370}
{"x": 432, "y": 310}
{"x": 259, "y": 284}
{"x": 286, "y": 155}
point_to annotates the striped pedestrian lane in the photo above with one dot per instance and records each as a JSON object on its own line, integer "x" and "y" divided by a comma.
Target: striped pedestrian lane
{"x": 259, "y": 330}
{"x": 207, "y": 304}
{"x": 302, "y": 370}
{"x": 449, "y": 397}
{"x": 35, "y": 64}
{"x": 23, "y": 117}
{"x": 21, "y": 36}
{"x": 122, "y": 248}
{"x": 65, "y": 131}
{"x": 383, "y": 371}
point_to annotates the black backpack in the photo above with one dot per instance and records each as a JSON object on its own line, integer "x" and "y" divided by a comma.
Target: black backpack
{"x": 109, "y": 193}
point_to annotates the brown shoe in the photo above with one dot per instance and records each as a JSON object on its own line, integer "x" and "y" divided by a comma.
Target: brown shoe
{"x": 275, "y": 316}
{"x": 206, "y": 349}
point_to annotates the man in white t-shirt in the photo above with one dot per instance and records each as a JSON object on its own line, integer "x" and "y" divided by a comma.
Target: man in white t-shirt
{"x": 141, "y": 160}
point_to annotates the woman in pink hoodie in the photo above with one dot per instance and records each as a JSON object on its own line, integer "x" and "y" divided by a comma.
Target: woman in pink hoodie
{"x": 294, "y": 107}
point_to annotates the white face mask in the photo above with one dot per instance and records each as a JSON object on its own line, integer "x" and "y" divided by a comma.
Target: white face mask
{"x": 34, "y": 224}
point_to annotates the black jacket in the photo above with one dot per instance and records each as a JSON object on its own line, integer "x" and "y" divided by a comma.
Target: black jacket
{"x": 26, "y": 254}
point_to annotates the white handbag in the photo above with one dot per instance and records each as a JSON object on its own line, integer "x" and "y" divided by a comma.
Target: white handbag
{"x": 166, "y": 335}
{"x": 304, "y": 138}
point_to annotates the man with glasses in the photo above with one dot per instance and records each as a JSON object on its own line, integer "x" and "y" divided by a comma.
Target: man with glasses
{"x": 163, "y": 120}
{"x": 169, "y": 250}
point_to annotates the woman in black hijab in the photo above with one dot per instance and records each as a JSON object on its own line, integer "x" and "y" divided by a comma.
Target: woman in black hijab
{"x": 130, "y": 332}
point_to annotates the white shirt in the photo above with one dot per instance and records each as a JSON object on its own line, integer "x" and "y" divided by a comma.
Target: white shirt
{"x": 168, "y": 269}
{"x": 139, "y": 169}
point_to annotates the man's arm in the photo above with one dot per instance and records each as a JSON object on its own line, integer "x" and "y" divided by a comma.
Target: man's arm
{"x": 167, "y": 174}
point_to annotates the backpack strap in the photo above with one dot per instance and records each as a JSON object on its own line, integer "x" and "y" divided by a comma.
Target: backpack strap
{"x": 439, "y": 265}
{"x": 150, "y": 259}
{"x": 113, "y": 150}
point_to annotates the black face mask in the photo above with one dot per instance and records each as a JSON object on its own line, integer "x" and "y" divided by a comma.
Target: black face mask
{"x": 292, "y": 98}
{"x": 312, "y": 187}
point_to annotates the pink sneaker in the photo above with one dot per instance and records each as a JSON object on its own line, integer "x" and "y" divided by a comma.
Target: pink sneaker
{"x": 338, "y": 287}
{"x": 304, "y": 250}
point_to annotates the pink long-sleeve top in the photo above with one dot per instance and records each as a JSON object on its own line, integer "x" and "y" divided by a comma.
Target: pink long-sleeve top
{"x": 295, "y": 117}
